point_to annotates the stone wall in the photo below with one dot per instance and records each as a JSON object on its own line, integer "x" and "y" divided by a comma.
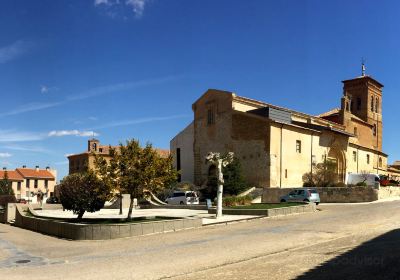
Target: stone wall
{"x": 77, "y": 231}
{"x": 355, "y": 194}
{"x": 387, "y": 192}
{"x": 282, "y": 211}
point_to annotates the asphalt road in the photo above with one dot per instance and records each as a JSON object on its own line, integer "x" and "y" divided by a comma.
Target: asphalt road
{"x": 355, "y": 241}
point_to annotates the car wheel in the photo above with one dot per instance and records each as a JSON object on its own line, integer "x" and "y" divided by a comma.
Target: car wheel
{"x": 181, "y": 203}
{"x": 306, "y": 200}
{"x": 282, "y": 200}
{"x": 316, "y": 203}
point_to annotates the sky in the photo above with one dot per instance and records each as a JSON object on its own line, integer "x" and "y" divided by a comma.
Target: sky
{"x": 123, "y": 69}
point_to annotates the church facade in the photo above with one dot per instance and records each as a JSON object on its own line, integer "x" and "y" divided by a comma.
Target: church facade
{"x": 276, "y": 146}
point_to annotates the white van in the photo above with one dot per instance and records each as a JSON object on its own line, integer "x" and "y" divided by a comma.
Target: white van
{"x": 183, "y": 198}
{"x": 372, "y": 180}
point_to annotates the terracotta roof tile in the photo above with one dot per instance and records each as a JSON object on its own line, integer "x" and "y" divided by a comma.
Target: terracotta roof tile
{"x": 12, "y": 175}
{"x": 32, "y": 173}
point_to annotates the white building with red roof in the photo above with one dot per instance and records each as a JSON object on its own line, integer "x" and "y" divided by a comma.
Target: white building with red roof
{"x": 28, "y": 182}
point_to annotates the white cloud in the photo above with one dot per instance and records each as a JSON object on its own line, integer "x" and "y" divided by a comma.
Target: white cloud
{"x": 99, "y": 2}
{"x": 34, "y": 106}
{"x": 5, "y": 155}
{"x": 25, "y": 148}
{"x": 60, "y": 133}
{"x": 29, "y": 107}
{"x": 44, "y": 89}
{"x": 140, "y": 121}
{"x": 18, "y": 136}
{"x": 14, "y": 51}
{"x": 137, "y": 6}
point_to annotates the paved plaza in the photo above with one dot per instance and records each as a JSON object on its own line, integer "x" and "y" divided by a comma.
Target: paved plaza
{"x": 354, "y": 241}
{"x": 155, "y": 212}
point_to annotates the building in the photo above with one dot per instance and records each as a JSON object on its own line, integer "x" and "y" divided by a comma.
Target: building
{"x": 277, "y": 146}
{"x": 27, "y": 182}
{"x": 80, "y": 162}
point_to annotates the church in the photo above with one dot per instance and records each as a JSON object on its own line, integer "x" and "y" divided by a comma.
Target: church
{"x": 276, "y": 146}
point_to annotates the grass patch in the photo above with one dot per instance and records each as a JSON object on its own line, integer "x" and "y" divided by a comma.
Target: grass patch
{"x": 267, "y": 205}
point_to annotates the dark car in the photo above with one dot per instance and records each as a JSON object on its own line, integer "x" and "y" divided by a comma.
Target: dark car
{"x": 52, "y": 200}
{"x": 21, "y": 200}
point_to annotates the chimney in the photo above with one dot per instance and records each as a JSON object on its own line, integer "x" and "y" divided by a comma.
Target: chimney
{"x": 23, "y": 166}
{"x": 48, "y": 168}
{"x": 37, "y": 168}
{"x": 4, "y": 168}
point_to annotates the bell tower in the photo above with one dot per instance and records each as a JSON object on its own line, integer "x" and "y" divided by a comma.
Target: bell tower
{"x": 362, "y": 97}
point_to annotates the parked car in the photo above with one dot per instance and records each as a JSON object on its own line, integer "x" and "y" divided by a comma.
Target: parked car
{"x": 52, "y": 200}
{"x": 183, "y": 198}
{"x": 371, "y": 180}
{"x": 302, "y": 195}
{"x": 21, "y": 200}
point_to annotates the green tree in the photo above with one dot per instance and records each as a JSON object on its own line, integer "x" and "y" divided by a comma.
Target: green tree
{"x": 5, "y": 185}
{"x": 136, "y": 170}
{"x": 234, "y": 182}
{"x": 83, "y": 192}
{"x": 323, "y": 175}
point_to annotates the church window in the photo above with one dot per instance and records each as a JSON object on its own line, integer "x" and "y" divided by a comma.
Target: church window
{"x": 210, "y": 116}
{"x": 374, "y": 130}
{"x": 376, "y": 105}
{"x": 358, "y": 103}
{"x": 286, "y": 173}
{"x": 298, "y": 146}
{"x": 355, "y": 131}
{"x": 380, "y": 162}
{"x": 367, "y": 158}
{"x": 354, "y": 156}
{"x": 372, "y": 103}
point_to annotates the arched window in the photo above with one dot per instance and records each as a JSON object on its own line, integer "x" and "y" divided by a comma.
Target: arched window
{"x": 358, "y": 103}
{"x": 376, "y": 105}
{"x": 380, "y": 162}
{"x": 372, "y": 103}
{"x": 374, "y": 130}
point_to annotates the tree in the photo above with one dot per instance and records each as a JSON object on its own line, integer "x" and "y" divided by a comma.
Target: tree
{"x": 323, "y": 175}
{"x": 136, "y": 170}
{"x": 83, "y": 192}
{"x": 5, "y": 185}
{"x": 233, "y": 178}
{"x": 234, "y": 182}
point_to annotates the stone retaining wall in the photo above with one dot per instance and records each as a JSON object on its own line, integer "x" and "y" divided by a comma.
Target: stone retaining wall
{"x": 282, "y": 211}
{"x": 353, "y": 194}
{"x": 99, "y": 231}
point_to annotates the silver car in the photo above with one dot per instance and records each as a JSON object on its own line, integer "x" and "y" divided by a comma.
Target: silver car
{"x": 302, "y": 195}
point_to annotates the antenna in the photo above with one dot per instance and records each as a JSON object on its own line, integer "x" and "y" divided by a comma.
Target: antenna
{"x": 362, "y": 67}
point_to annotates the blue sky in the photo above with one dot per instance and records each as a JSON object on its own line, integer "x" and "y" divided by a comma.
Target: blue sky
{"x": 132, "y": 68}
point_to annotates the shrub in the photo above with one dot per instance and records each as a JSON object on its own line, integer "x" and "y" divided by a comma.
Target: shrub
{"x": 361, "y": 184}
{"x": 340, "y": 185}
{"x": 83, "y": 192}
{"x": 230, "y": 201}
{"x": 323, "y": 175}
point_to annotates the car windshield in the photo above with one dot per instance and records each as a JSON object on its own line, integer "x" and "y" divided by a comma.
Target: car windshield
{"x": 178, "y": 194}
{"x": 312, "y": 191}
{"x": 191, "y": 194}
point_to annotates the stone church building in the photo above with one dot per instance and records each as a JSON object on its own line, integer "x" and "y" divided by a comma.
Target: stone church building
{"x": 276, "y": 145}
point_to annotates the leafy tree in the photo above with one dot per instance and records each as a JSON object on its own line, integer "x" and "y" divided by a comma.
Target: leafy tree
{"x": 136, "y": 170}
{"x": 83, "y": 192}
{"x": 323, "y": 175}
{"x": 234, "y": 182}
{"x": 5, "y": 185}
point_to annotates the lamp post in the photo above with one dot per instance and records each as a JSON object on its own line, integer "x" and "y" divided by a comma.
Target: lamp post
{"x": 220, "y": 162}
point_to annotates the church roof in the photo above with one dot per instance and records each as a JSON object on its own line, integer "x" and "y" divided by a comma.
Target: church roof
{"x": 364, "y": 77}
{"x": 332, "y": 112}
